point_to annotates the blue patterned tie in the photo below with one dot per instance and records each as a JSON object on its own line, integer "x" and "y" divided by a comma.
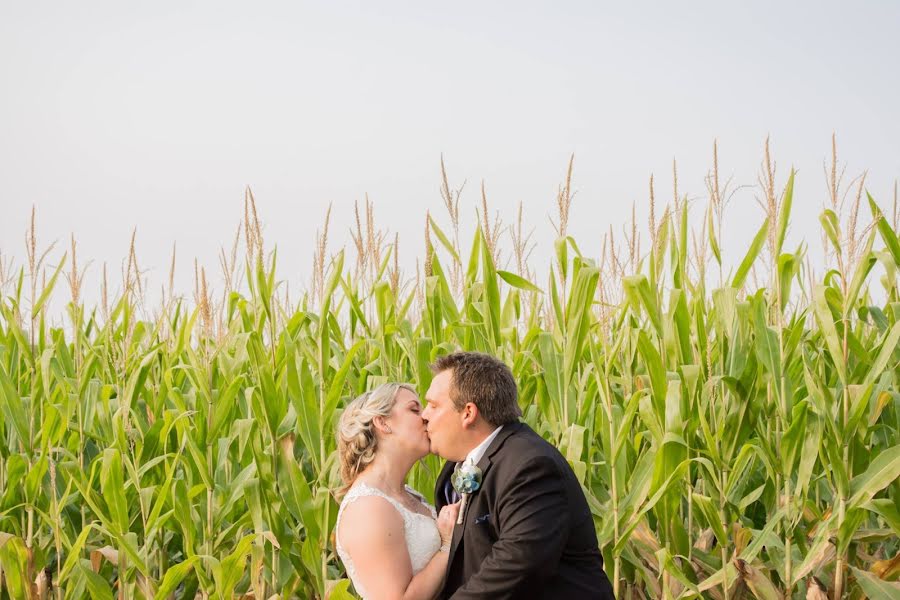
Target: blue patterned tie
{"x": 450, "y": 494}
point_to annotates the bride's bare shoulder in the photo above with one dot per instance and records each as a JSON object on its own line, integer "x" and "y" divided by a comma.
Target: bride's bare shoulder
{"x": 369, "y": 520}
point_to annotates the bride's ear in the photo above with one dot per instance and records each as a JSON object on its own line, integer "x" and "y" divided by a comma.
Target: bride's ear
{"x": 381, "y": 425}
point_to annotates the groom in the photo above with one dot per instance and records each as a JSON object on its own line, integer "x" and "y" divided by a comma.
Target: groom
{"x": 527, "y": 531}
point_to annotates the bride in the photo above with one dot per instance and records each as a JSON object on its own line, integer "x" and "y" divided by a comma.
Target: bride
{"x": 391, "y": 541}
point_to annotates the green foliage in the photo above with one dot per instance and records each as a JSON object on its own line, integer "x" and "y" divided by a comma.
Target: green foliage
{"x": 730, "y": 443}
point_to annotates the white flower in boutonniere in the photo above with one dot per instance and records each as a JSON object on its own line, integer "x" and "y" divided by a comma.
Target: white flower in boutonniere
{"x": 466, "y": 479}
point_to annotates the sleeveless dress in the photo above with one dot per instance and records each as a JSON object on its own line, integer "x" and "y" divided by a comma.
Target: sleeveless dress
{"x": 422, "y": 537}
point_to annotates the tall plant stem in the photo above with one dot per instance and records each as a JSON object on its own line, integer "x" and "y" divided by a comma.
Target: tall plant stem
{"x": 57, "y": 538}
{"x": 720, "y": 422}
{"x": 845, "y": 419}
{"x": 614, "y": 487}
{"x": 723, "y": 547}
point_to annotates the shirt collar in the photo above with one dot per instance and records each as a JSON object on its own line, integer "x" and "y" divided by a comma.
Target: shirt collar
{"x": 478, "y": 451}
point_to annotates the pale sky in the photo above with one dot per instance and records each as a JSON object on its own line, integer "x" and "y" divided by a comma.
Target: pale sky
{"x": 156, "y": 115}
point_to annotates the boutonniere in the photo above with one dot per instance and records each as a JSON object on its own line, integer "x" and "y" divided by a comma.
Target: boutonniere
{"x": 466, "y": 479}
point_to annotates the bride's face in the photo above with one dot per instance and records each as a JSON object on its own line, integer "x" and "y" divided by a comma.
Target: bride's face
{"x": 407, "y": 426}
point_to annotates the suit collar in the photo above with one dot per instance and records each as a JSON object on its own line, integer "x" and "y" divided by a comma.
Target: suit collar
{"x": 481, "y": 449}
{"x": 508, "y": 430}
{"x": 485, "y": 462}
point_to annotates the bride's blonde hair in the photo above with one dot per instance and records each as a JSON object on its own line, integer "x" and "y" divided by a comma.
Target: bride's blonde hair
{"x": 356, "y": 433}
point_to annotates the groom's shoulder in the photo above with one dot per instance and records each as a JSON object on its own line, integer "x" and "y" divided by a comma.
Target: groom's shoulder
{"x": 524, "y": 450}
{"x": 524, "y": 444}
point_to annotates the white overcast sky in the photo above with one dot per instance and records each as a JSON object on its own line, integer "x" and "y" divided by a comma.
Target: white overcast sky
{"x": 156, "y": 115}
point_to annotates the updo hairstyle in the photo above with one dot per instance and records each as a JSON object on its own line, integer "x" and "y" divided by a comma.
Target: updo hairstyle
{"x": 356, "y": 432}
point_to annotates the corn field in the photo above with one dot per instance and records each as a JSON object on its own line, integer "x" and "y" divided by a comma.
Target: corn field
{"x": 736, "y": 439}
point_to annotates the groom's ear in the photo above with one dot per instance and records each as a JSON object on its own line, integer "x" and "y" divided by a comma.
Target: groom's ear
{"x": 470, "y": 414}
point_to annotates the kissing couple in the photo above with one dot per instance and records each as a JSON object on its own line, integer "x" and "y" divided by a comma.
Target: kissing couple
{"x": 522, "y": 527}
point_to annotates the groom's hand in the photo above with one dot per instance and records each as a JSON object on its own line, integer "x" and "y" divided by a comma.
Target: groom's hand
{"x": 445, "y": 522}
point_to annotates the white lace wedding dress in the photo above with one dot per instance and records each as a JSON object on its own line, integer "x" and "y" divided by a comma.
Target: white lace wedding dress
{"x": 422, "y": 537}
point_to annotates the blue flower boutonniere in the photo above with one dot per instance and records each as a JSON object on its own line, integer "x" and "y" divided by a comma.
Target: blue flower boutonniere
{"x": 466, "y": 479}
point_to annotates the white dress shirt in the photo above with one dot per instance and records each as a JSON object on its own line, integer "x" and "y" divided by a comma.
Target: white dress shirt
{"x": 478, "y": 451}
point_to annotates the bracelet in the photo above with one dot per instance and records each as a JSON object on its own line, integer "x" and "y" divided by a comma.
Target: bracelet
{"x": 445, "y": 547}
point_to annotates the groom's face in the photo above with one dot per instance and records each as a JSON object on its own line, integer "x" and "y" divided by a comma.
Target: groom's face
{"x": 443, "y": 421}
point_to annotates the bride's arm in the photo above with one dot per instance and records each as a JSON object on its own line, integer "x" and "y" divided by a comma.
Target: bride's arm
{"x": 371, "y": 532}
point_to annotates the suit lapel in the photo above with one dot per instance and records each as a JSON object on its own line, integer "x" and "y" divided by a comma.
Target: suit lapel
{"x": 484, "y": 464}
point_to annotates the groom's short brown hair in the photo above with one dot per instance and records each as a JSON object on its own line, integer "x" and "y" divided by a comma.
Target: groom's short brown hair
{"x": 483, "y": 380}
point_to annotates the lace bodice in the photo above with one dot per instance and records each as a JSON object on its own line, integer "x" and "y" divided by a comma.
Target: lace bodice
{"x": 422, "y": 537}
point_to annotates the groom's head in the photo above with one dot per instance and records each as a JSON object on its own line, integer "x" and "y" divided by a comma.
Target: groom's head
{"x": 471, "y": 395}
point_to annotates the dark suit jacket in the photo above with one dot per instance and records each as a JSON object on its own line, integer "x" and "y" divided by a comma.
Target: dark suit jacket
{"x": 527, "y": 532}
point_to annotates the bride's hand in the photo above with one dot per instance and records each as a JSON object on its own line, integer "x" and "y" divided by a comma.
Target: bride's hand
{"x": 446, "y": 520}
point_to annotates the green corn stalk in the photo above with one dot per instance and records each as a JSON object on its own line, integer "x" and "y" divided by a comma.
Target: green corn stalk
{"x": 729, "y": 441}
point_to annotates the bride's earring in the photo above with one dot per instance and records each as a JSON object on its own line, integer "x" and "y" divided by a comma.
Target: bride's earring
{"x": 388, "y": 429}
